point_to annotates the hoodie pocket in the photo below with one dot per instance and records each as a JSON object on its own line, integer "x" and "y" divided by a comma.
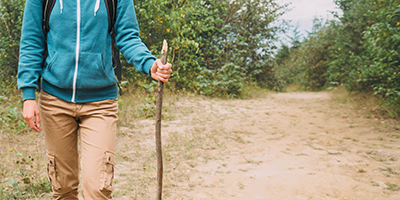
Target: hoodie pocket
{"x": 93, "y": 72}
{"x": 60, "y": 70}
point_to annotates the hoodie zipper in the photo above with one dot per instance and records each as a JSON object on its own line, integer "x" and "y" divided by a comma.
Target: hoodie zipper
{"x": 78, "y": 35}
{"x": 114, "y": 10}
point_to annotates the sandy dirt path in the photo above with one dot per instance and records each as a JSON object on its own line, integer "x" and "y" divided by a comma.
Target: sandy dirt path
{"x": 279, "y": 146}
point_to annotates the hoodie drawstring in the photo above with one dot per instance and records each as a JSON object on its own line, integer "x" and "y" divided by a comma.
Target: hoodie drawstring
{"x": 96, "y": 7}
{"x": 61, "y": 6}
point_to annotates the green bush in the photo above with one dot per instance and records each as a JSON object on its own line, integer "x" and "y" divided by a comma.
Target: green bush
{"x": 359, "y": 51}
{"x": 207, "y": 36}
{"x": 349, "y": 42}
{"x": 202, "y": 35}
{"x": 307, "y": 64}
{"x": 380, "y": 64}
{"x": 11, "y": 120}
{"x": 11, "y": 12}
{"x": 225, "y": 81}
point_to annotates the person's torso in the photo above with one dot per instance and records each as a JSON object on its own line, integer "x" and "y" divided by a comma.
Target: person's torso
{"x": 79, "y": 47}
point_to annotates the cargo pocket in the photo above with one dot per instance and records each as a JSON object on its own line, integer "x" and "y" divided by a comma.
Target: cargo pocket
{"x": 52, "y": 172}
{"x": 107, "y": 174}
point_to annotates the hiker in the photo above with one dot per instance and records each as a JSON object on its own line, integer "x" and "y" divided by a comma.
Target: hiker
{"x": 79, "y": 89}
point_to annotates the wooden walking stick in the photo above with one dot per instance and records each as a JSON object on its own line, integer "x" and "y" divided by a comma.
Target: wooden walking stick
{"x": 164, "y": 53}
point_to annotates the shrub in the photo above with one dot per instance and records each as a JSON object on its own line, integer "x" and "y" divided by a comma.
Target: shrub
{"x": 11, "y": 12}
{"x": 380, "y": 64}
{"x": 225, "y": 81}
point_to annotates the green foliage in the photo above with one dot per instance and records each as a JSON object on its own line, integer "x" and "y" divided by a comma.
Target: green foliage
{"x": 202, "y": 35}
{"x": 307, "y": 64}
{"x": 360, "y": 51}
{"x": 11, "y": 120}
{"x": 11, "y": 12}
{"x": 284, "y": 59}
{"x": 349, "y": 40}
{"x": 317, "y": 52}
{"x": 10, "y": 117}
{"x": 148, "y": 108}
{"x": 367, "y": 46}
{"x": 380, "y": 63}
{"x": 208, "y": 37}
{"x": 225, "y": 81}
{"x": 21, "y": 183}
{"x": 283, "y": 54}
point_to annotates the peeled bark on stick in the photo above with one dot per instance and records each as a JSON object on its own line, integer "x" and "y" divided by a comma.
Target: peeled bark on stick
{"x": 164, "y": 54}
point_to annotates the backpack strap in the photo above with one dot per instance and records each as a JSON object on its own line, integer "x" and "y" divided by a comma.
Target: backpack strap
{"x": 116, "y": 62}
{"x": 47, "y": 7}
{"x": 111, "y": 6}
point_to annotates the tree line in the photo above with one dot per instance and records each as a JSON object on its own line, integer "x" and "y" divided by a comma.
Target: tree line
{"x": 359, "y": 50}
{"x": 216, "y": 46}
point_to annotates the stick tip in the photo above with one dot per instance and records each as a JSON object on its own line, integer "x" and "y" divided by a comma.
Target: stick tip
{"x": 165, "y": 46}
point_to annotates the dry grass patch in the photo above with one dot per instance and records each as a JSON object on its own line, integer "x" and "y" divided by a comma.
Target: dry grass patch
{"x": 23, "y": 169}
{"x": 369, "y": 104}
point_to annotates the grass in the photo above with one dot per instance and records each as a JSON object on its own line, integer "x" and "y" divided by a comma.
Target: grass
{"x": 195, "y": 143}
{"x": 25, "y": 175}
{"x": 184, "y": 148}
{"x": 361, "y": 171}
{"x": 35, "y": 190}
{"x": 365, "y": 102}
{"x": 11, "y": 120}
{"x": 22, "y": 172}
{"x": 292, "y": 88}
{"x": 392, "y": 187}
{"x": 252, "y": 91}
{"x": 190, "y": 141}
{"x": 389, "y": 170}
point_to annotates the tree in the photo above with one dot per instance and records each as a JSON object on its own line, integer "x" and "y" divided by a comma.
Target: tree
{"x": 11, "y": 12}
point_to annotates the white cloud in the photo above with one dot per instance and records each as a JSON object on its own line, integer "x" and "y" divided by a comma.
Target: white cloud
{"x": 304, "y": 11}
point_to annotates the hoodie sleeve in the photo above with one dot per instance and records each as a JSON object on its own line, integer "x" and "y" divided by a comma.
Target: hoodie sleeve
{"x": 31, "y": 49}
{"x": 128, "y": 40}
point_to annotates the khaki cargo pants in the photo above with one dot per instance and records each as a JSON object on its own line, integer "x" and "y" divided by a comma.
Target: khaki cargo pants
{"x": 96, "y": 124}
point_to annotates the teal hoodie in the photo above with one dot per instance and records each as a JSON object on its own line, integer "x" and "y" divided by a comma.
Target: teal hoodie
{"x": 78, "y": 67}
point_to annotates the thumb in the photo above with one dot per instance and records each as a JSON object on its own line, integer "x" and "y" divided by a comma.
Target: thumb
{"x": 159, "y": 64}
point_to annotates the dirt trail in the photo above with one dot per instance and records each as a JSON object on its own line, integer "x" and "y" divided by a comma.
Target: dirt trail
{"x": 279, "y": 146}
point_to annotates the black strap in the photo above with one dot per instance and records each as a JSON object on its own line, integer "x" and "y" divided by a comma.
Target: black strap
{"x": 116, "y": 62}
{"x": 47, "y": 7}
{"x": 111, "y": 6}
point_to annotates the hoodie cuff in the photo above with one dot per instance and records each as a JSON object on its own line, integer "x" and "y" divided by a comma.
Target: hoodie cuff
{"x": 147, "y": 66}
{"x": 28, "y": 93}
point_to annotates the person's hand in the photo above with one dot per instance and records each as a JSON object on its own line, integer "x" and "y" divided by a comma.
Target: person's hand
{"x": 31, "y": 114}
{"x": 161, "y": 72}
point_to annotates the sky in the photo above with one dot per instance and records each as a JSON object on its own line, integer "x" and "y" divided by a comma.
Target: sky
{"x": 304, "y": 11}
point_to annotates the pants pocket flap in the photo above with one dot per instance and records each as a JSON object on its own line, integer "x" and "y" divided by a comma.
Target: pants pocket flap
{"x": 107, "y": 178}
{"x": 109, "y": 158}
{"x": 52, "y": 172}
